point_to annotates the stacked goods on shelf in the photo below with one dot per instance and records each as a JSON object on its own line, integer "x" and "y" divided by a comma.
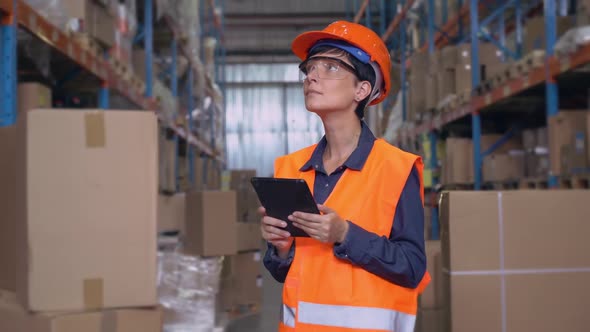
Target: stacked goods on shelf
{"x": 126, "y": 27}
{"x": 167, "y": 161}
{"x": 506, "y": 162}
{"x": 431, "y": 315}
{"x": 241, "y": 282}
{"x": 534, "y": 38}
{"x": 242, "y": 278}
{"x": 535, "y": 142}
{"x": 568, "y": 149}
{"x": 82, "y": 228}
{"x": 417, "y": 81}
{"x": 187, "y": 290}
{"x": 429, "y": 174}
{"x": 496, "y": 260}
{"x": 247, "y": 201}
{"x": 457, "y": 165}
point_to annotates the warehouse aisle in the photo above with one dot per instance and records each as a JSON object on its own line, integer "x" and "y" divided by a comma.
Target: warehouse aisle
{"x": 267, "y": 320}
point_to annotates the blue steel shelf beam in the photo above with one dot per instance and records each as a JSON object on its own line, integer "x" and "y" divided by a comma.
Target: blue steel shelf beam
{"x": 8, "y": 74}
{"x": 148, "y": 44}
{"x": 552, "y": 98}
{"x": 432, "y": 135}
{"x": 103, "y": 96}
{"x": 475, "y": 80}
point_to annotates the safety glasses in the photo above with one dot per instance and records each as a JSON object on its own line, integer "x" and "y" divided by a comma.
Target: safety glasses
{"x": 326, "y": 68}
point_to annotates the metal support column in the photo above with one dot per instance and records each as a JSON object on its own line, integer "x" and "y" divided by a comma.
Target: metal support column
{"x": 518, "y": 14}
{"x": 502, "y": 36}
{"x": 191, "y": 107}
{"x": 148, "y": 44}
{"x": 382, "y": 17}
{"x": 8, "y": 74}
{"x": 368, "y": 16}
{"x": 174, "y": 88}
{"x": 475, "y": 79}
{"x": 432, "y": 135}
{"x": 402, "y": 46}
{"x": 222, "y": 81}
{"x": 552, "y": 101}
{"x": 103, "y": 96}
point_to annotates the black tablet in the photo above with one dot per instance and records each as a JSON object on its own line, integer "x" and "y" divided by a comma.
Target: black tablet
{"x": 282, "y": 197}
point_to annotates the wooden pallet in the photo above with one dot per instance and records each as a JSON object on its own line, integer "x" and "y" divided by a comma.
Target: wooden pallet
{"x": 533, "y": 183}
{"x": 463, "y": 98}
{"x": 575, "y": 182}
{"x": 533, "y": 60}
{"x": 87, "y": 43}
{"x": 501, "y": 185}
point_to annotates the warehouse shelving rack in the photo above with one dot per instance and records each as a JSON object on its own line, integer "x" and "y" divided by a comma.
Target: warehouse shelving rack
{"x": 78, "y": 61}
{"x": 468, "y": 24}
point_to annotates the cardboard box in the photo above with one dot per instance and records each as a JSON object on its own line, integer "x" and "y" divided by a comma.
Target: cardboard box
{"x": 100, "y": 24}
{"x": 445, "y": 83}
{"x": 210, "y": 223}
{"x": 536, "y": 164}
{"x": 480, "y": 274}
{"x": 30, "y": 96}
{"x": 458, "y": 165}
{"x": 431, "y": 298}
{"x": 534, "y": 32}
{"x": 503, "y": 167}
{"x": 431, "y": 320}
{"x": 543, "y": 137}
{"x": 167, "y": 164}
{"x": 86, "y": 209}
{"x": 431, "y": 92}
{"x": 213, "y": 174}
{"x": 567, "y": 131}
{"x": 247, "y": 201}
{"x": 241, "y": 282}
{"x": 14, "y": 318}
{"x": 447, "y": 58}
{"x": 529, "y": 139}
{"x": 463, "y": 78}
{"x": 488, "y": 54}
{"x": 488, "y": 140}
{"x": 171, "y": 210}
{"x": 248, "y": 236}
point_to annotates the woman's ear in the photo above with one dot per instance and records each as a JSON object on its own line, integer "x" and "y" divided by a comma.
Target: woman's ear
{"x": 363, "y": 89}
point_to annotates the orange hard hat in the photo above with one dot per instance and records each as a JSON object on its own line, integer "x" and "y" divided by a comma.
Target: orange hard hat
{"x": 358, "y": 36}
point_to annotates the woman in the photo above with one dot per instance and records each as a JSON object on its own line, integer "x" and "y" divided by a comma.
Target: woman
{"x": 363, "y": 265}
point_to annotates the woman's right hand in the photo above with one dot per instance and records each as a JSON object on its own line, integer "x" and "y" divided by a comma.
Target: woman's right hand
{"x": 273, "y": 233}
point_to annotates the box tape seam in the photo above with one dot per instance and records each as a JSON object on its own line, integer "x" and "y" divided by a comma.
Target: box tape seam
{"x": 93, "y": 290}
{"x": 95, "y": 130}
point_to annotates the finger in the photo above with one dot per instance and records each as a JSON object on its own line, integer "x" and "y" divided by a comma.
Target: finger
{"x": 277, "y": 231}
{"x": 261, "y": 211}
{"x": 273, "y": 222}
{"x": 276, "y": 238}
{"x": 306, "y": 223}
{"x": 313, "y": 232}
{"x": 309, "y": 217}
{"x": 325, "y": 209}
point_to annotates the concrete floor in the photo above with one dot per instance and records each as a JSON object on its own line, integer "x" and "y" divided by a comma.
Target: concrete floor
{"x": 268, "y": 318}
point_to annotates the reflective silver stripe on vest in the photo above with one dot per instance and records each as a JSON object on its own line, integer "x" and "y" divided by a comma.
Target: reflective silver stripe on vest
{"x": 355, "y": 317}
{"x": 288, "y": 315}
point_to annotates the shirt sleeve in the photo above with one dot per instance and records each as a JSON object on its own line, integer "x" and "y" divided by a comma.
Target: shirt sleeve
{"x": 277, "y": 266}
{"x": 401, "y": 258}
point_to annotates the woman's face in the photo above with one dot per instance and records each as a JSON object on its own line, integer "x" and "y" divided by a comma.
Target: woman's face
{"x": 330, "y": 84}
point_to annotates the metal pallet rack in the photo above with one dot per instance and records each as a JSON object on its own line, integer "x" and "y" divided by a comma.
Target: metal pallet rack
{"x": 473, "y": 21}
{"x": 77, "y": 63}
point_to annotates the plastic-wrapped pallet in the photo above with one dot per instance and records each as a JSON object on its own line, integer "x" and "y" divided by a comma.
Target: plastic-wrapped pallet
{"x": 186, "y": 15}
{"x": 52, "y": 10}
{"x": 572, "y": 40}
{"x": 187, "y": 289}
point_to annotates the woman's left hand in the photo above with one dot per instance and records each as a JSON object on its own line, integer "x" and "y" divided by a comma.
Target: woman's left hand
{"x": 327, "y": 227}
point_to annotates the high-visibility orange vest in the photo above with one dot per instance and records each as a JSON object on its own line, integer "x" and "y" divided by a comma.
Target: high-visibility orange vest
{"x": 324, "y": 293}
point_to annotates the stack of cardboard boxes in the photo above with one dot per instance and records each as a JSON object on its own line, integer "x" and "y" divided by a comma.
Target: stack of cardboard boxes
{"x": 79, "y": 221}
{"x": 507, "y": 264}
{"x": 535, "y": 143}
{"x": 569, "y": 142}
{"x": 241, "y": 283}
{"x": 431, "y": 315}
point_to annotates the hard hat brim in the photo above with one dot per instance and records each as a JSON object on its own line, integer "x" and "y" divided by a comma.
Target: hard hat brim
{"x": 303, "y": 43}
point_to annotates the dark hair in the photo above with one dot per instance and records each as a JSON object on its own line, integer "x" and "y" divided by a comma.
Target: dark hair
{"x": 364, "y": 73}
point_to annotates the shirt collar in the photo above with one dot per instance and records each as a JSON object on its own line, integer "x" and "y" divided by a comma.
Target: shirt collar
{"x": 355, "y": 161}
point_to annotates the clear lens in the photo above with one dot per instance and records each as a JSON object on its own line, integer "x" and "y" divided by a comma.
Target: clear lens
{"x": 325, "y": 68}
